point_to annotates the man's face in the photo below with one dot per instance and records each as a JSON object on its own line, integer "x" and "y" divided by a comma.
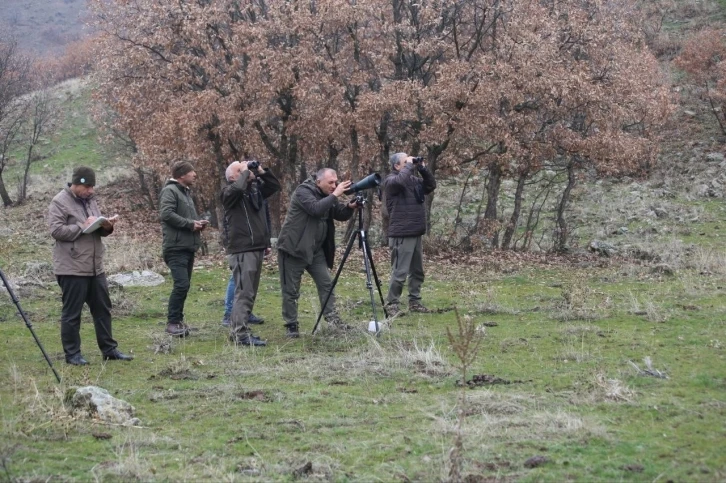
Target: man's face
{"x": 188, "y": 179}
{"x": 328, "y": 183}
{"x": 84, "y": 191}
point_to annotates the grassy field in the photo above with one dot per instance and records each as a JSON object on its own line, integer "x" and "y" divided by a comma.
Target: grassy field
{"x": 564, "y": 339}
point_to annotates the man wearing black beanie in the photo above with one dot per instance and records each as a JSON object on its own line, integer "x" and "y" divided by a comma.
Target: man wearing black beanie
{"x": 78, "y": 265}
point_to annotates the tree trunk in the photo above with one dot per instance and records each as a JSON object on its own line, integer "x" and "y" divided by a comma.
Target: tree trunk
{"x": 561, "y": 231}
{"x": 4, "y": 192}
{"x": 514, "y": 219}
{"x": 490, "y": 213}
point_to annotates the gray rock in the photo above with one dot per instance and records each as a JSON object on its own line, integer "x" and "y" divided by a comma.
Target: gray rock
{"x": 622, "y": 230}
{"x": 659, "y": 211}
{"x": 715, "y": 157}
{"x": 96, "y": 403}
{"x": 146, "y": 278}
{"x": 602, "y": 248}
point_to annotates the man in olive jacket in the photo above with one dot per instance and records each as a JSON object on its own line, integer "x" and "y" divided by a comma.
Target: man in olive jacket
{"x": 181, "y": 229}
{"x": 78, "y": 266}
{"x": 404, "y": 194}
{"x": 247, "y": 238}
{"x": 307, "y": 242}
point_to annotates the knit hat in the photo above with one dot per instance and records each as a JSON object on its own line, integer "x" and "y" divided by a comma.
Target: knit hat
{"x": 180, "y": 168}
{"x": 84, "y": 175}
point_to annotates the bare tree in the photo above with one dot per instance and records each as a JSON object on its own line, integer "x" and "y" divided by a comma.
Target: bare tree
{"x": 14, "y": 82}
{"x": 43, "y": 116}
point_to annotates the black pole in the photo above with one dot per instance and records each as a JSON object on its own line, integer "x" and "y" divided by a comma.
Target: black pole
{"x": 369, "y": 267}
{"x": 335, "y": 280}
{"x": 27, "y": 323}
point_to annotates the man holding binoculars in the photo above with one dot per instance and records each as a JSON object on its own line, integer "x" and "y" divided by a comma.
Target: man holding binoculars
{"x": 404, "y": 195}
{"x": 248, "y": 236}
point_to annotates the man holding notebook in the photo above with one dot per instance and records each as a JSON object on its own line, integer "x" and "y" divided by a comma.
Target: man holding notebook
{"x": 78, "y": 265}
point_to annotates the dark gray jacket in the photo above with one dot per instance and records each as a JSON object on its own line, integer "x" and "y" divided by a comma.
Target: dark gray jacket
{"x": 309, "y": 223}
{"x": 245, "y": 212}
{"x": 404, "y": 195}
{"x": 177, "y": 213}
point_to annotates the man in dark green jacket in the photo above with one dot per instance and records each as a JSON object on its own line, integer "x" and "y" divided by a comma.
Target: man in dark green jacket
{"x": 247, "y": 238}
{"x": 181, "y": 239}
{"x": 307, "y": 242}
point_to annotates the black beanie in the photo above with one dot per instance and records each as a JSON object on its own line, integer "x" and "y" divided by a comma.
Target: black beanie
{"x": 84, "y": 175}
{"x": 180, "y": 168}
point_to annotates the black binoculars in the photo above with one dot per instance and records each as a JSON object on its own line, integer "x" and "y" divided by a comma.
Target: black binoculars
{"x": 418, "y": 159}
{"x": 253, "y": 165}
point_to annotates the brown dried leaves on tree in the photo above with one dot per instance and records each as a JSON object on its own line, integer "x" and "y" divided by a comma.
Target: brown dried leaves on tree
{"x": 473, "y": 85}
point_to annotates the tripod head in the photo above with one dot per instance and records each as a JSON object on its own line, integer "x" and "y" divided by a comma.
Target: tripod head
{"x": 360, "y": 199}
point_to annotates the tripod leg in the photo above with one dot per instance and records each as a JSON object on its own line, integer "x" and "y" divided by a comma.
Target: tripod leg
{"x": 27, "y": 323}
{"x": 375, "y": 277}
{"x": 335, "y": 281}
{"x": 368, "y": 263}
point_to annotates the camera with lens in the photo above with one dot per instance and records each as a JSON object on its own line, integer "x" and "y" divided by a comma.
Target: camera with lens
{"x": 252, "y": 165}
{"x": 417, "y": 159}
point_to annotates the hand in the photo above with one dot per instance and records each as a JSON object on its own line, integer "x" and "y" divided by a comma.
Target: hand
{"x": 353, "y": 204}
{"x": 200, "y": 225}
{"x": 109, "y": 223}
{"x": 89, "y": 221}
{"x": 340, "y": 189}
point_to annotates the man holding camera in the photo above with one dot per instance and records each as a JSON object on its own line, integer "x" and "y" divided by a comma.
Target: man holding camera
{"x": 78, "y": 266}
{"x": 181, "y": 229}
{"x": 404, "y": 195}
{"x": 248, "y": 237}
{"x": 307, "y": 242}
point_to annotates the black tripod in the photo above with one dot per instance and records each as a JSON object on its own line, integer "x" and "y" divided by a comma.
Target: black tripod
{"x": 367, "y": 261}
{"x": 27, "y": 322}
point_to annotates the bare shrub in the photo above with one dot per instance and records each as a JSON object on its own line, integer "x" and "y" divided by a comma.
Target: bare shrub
{"x": 707, "y": 261}
{"x": 127, "y": 253}
{"x": 580, "y": 302}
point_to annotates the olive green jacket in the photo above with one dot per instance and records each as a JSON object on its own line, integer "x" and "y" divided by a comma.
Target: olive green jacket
{"x": 309, "y": 225}
{"x": 177, "y": 214}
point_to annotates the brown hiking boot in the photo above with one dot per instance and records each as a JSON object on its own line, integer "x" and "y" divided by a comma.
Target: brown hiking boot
{"x": 418, "y": 307}
{"x": 176, "y": 329}
{"x": 393, "y": 310}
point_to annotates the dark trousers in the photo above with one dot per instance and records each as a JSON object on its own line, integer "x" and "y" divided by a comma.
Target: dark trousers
{"x": 180, "y": 265}
{"x": 94, "y": 292}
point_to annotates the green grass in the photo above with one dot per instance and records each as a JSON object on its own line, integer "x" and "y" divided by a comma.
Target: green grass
{"x": 361, "y": 408}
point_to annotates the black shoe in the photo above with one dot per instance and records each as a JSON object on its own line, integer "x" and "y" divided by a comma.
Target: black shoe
{"x": 176, "y": 330}
{"x": 116, "y": 355}
{"x": 293, "y": 331}
{"x": 248, "y": 339}
{"x": 254, "y": 320}
{"x": 77, "y": 360}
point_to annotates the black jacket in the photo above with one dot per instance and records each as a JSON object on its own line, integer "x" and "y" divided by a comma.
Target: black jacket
{"x": 404, "y": 195}
{"x": 309, "y": 223}
{"x": 245, "y": 214}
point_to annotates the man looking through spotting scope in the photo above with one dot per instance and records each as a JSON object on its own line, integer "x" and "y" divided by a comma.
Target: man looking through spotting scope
{"x": 73, "y": 217}
{"x": 247, "y": 238}
{"x": 404, "y": 194}
{"x": 307, "y": 242}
